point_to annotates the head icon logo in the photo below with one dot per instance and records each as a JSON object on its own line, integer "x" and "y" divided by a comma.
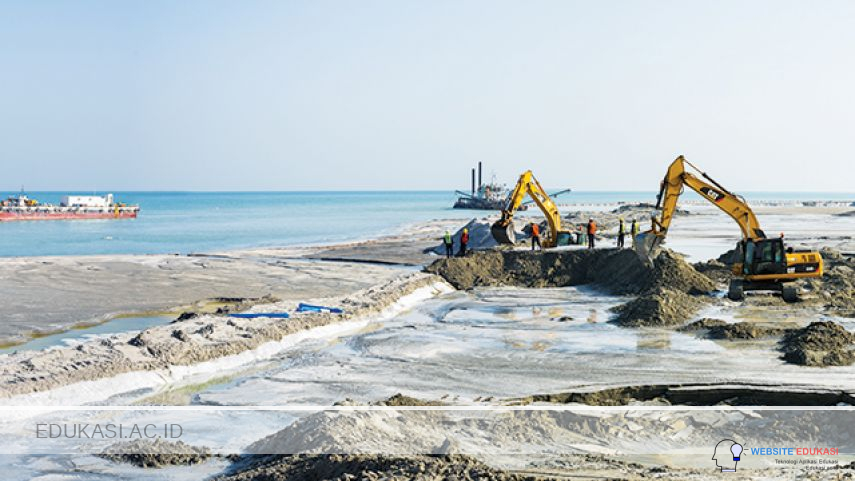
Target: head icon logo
{"x": 726, "y": 454}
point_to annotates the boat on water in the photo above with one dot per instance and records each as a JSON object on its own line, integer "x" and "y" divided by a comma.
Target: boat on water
{"x": 491, "y": 196}
{"x": 71, "y": 207}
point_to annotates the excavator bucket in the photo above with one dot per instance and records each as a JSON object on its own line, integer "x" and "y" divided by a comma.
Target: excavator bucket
{"x": 647, "y": 245}
{"x": 504, "y": 234}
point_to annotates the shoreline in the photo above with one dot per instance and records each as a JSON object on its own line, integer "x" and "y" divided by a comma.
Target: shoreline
{"x": 55, "y": 294}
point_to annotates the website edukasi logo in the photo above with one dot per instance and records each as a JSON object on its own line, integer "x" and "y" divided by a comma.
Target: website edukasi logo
{"x": 726, "y": 455}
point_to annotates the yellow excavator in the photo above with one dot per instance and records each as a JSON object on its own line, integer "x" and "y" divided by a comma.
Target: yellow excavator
{"x": 503, "y": 229}
{"x": 762, "y": 263}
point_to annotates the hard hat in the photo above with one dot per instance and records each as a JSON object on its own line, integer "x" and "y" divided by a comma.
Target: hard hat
{"x": 465, "y": 230}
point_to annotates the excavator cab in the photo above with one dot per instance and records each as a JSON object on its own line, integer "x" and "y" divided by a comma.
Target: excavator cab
{"x": 761, "y": 257}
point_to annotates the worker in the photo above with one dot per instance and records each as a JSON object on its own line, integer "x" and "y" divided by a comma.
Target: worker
{"x": 592, "y": 231}
{"x": 535, "y": 236}
{"x": 633, "y": 230}
{"x": 621, "y": 231}
{"x": 449, "y": 244}
{"x": 464, "y": 240}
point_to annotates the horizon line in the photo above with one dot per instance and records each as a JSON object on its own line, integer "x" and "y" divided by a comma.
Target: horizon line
{"x": 300, "y": 191}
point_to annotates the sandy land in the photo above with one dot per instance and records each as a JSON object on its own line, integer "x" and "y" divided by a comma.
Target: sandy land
{"x": 49, "y": 294}
{"x": 427, "y": 353}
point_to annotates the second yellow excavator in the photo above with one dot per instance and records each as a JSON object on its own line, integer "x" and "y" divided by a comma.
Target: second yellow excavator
{"x": 762, "y": 263}
{"x": 503, "y": 229}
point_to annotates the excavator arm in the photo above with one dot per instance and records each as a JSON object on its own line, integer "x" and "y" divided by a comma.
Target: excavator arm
{"x": 647, "y": 243}
{"x": 503, "y": 229}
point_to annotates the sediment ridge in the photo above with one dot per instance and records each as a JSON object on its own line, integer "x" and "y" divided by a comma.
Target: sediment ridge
{"x": 190, "y": 341}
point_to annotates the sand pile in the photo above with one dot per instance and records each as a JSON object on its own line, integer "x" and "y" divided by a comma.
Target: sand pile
{"x": 744, "y": 330}
{"x": 145, "y": 453}
{"x": 823, "y": 343}
{"x": 480, "y": 237}
{"x": 725, "y": 394}
{"x": 836, "y": 289}
{"x": 347, "y": 467}
{"x": 670, "y": 291}
{"x": 702, "y": 324}
{"x": 664, "y": 307}
{"x": 718, "y": 329}
{"x": 491, "y": 435}
{"x": 717, "y": 271}
{"x": 402, "y": 400}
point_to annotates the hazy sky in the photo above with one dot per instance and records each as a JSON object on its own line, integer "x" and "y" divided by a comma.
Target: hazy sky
{"x": 293, "y": 95}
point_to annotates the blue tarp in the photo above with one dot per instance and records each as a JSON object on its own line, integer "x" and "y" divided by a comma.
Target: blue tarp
{"x": 311, "y": 308}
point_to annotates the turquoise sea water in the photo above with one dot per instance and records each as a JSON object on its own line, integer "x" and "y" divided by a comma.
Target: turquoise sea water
{"x": 184, "y": 222}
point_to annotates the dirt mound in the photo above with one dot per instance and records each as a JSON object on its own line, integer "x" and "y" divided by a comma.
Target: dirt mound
{"x": 836, "y": 288}
{"x": 705, "y": 323}
{"x": 671, "y": 294}
{"x": 665, "y": 307}
{"x": 729, "y": 257}
{"x": 717, "y": 271}
{"x": 476, "y": 269}
{"x": 718, "y": 329}
{"x": 402, "y": 400}
{"x": 820, "y": 344}
{"x": 744, "y": 330}
{"x": 368, "y": 467}
{"x": 155, "y": 454}
{"x": 694, "y": 395}
{"x": 669, "y": 290}
{"x": 615, "y": 271}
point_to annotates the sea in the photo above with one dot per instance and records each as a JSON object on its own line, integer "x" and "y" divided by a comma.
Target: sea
{"x": 190, "y": 222}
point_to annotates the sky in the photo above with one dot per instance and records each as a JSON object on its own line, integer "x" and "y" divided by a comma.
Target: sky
{"x": 380, "y": 95}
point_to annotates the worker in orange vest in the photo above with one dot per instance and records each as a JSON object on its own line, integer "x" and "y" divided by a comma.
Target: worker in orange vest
{"x": 592, "y": 232}
{"x": 535, "y": 236}
{"x": 464, "y": 241}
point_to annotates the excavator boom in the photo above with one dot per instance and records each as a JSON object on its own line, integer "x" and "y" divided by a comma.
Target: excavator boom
{"x": 647, "y": 243}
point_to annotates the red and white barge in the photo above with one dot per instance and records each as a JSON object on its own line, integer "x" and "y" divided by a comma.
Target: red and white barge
{"x": 21, "y": 207}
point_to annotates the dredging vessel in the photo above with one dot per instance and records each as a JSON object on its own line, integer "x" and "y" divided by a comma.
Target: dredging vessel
{"x": 490, "y": 196}
{"x": 71, "y": 207}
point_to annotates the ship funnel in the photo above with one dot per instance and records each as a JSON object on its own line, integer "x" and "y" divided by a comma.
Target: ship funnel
{"x": 479, "y": 175}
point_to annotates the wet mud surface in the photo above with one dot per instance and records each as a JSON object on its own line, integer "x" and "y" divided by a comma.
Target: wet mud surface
{"x": 668, "y": 292}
